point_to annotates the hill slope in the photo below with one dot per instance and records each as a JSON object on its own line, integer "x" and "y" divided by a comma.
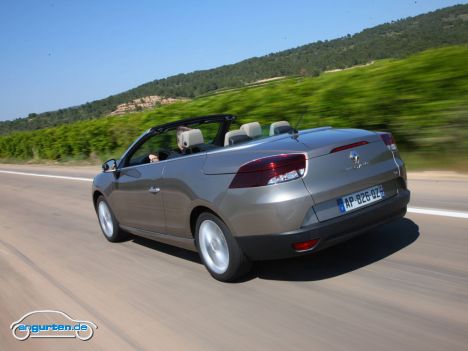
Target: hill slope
{"x": 422, "y": 99}
{"x": 398, "y": 39}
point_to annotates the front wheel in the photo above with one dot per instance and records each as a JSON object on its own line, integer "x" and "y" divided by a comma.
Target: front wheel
{"x": 109, "y": 225}
{"x": 218, "y": 250}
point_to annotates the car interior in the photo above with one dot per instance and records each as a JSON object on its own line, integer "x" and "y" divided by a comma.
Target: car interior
{"x": 280, "y": 127}
{"x": 235, "y": 137}
{"x": 193, "y": 141}
{"x": 253, "y": 130}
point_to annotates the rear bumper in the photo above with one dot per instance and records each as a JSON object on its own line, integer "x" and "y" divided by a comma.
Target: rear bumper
{"x": 330, "y": 232}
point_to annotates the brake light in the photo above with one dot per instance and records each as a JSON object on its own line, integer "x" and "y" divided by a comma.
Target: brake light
{"x": 389, "y": 140}
{"x": 349, "y": 146}
{"x": 270, "y": 170}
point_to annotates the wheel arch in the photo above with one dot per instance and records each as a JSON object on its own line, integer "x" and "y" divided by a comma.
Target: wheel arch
{"x": 96, "y": 194}
{"x": 197, "y": 211}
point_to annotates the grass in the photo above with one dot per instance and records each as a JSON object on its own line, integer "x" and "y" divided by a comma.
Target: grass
{"x": 422, "y": 100}
{"x": 430, "y": 162}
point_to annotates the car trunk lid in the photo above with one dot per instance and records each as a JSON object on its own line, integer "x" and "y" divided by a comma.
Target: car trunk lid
{"x": 331, "y": 175}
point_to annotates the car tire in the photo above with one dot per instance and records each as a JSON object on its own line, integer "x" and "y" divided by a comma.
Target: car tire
{"x": 218, "y": 249}
{"x": 109, "y": 225}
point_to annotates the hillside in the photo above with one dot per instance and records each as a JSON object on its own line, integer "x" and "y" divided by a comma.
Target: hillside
{"x": 398, "y": 39}
{"x": 144, "y": 103}
{"x": 422, "y": 99}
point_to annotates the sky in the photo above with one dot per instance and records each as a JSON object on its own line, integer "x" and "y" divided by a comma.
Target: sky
{"x": 61, "y": 53}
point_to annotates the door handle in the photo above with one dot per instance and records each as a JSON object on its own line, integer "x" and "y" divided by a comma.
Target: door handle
{"x": 154, "y": 190}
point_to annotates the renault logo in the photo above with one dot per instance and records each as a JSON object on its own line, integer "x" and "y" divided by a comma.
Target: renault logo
{"x": 354, "y": 157}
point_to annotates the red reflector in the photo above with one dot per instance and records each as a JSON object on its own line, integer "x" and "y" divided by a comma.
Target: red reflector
{"x": 305, "y": 245}
{"x": 349, "y": 146}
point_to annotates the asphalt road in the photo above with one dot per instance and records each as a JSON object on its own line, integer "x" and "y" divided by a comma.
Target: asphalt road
{"x": 403, "y": 286}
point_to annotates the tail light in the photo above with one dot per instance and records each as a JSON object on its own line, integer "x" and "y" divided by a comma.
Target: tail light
{"x": 270, "y": 170}
{"x": 389, "y": 140}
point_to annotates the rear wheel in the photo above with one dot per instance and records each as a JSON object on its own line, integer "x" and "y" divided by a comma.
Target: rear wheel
{"x": 109, "y": 225}
{"x": 218, "y": 250}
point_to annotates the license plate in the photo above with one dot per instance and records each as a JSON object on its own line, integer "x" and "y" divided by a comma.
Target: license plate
{"x": 360, "y": 198}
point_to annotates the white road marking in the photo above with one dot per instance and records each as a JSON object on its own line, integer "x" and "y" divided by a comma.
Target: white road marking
{"x": 47, "y": 176}
{"x": 418, "y": 210}
{"x": 438, "y": 212}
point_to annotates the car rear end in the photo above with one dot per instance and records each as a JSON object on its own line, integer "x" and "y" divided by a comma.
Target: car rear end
{"x": 357, "y": 182}
{"x": 333, "y": 185}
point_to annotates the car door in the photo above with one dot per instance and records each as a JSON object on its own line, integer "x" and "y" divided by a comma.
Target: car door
{"x": 136, "y": 197}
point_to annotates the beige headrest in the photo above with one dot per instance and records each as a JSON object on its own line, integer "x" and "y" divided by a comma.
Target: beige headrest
{"x": 252, "y": 129}
{"x": 235, "y": 136}
{"x": 191, "y": 138}
{"x": 278, "y": 125}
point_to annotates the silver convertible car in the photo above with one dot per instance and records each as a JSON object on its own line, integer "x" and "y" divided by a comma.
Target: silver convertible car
{"x": 240, "y": 193}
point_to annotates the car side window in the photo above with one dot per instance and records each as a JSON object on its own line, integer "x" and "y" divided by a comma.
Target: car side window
{"x": 160, "y": 145}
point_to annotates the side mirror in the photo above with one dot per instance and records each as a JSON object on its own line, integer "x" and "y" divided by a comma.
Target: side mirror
{"x": 109, "y": 165}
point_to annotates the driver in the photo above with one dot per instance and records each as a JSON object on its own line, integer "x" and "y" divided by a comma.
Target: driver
{"x": 179, "y": 131}
{"x": 153, "y": 158}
